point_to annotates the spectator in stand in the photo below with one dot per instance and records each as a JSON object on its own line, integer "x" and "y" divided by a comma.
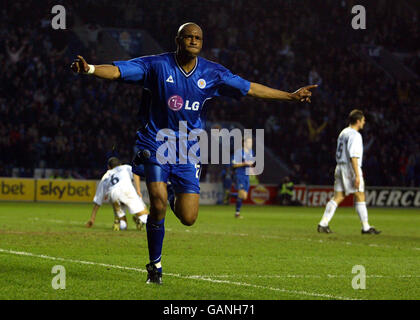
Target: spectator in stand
{"x": 285, "y": 192}
{"x": 36, "y": 110}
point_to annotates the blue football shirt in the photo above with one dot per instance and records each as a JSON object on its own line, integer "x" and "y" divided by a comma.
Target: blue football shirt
{"x": 173, "y": 95}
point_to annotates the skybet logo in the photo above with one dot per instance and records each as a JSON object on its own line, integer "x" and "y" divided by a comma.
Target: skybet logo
{"x": 195, "y": 146}
{"x": 68, "y": 190}
{"x": 13, "y": 188}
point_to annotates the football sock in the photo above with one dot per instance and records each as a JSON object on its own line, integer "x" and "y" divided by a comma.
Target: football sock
{"x": 363, "y": 214}
{"x": 238, "y": 204}
{"x": 120, "y": 213}
{"x": 155, "y": 234}
{"x": 143, "y": 218}
{"x": 328, "y": 213}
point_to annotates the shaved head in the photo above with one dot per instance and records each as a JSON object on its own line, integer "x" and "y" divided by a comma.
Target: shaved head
{"x": 188, "y": 25}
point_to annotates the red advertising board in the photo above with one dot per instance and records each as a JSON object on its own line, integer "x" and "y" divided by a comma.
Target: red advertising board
{"x": 259, "y": 194}
{"x": 318, "y": 196}
{"x": 299, "y": 193}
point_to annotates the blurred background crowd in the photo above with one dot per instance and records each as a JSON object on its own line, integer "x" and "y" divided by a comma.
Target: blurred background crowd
{"x": 52, "y": 118}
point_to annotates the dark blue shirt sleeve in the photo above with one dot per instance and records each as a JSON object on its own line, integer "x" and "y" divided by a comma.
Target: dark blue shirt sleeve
{"x": 231, "y": 85}
{"x": 133, "y": 70}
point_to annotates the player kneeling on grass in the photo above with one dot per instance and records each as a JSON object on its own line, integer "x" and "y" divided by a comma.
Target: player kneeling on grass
{"x": 242, "y": 159}
{"x": 348, "y": 174}
{"x": 116, "y": 184}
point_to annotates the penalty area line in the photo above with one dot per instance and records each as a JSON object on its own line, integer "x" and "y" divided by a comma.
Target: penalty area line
{"x": 201, "y": 278}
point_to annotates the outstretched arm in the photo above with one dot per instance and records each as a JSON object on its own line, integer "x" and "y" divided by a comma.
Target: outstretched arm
{"x": 243, "y": 164}
{"x": 260, "y": 91}
{"x": 103, "y": 71}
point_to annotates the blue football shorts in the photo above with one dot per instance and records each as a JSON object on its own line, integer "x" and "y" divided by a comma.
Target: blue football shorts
{"x": 242, "y": 182}
{"x": 185, "y": 178}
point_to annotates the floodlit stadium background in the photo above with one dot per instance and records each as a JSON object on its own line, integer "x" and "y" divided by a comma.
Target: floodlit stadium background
{"x": 57, "y": 129}
{"x": 52, "y": 119}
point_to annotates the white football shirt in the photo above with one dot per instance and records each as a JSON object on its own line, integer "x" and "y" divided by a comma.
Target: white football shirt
{"x": 349, "y": 145}
{"x": 120, "y": 176}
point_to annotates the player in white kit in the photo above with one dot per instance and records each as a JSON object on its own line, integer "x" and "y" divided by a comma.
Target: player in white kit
{"x": 348, "y": 174}
{"x": 116, "y": 185}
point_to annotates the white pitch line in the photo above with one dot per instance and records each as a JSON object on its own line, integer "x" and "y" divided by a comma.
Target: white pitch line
{"x": 302, "y": 276}
{"x": 242, "y": 284}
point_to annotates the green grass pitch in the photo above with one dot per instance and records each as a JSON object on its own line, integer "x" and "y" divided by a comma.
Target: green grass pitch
{"x": 273, "y": 253}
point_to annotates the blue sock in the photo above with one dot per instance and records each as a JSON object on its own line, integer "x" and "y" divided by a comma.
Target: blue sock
{"x": 155, "y": 234}
{"x": 238, "y": 204}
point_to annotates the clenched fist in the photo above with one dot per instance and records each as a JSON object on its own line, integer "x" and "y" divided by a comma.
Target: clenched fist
{"x": 80, "y": 65}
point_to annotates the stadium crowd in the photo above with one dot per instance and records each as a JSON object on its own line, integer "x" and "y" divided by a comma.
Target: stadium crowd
{"x": 52, "y": 118}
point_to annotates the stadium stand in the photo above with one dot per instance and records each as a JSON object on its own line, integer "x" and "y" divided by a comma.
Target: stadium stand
{"x": 51, "y": 118}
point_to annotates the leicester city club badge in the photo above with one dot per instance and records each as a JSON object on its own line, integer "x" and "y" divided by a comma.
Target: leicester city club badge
{"x": 201, "y": 83}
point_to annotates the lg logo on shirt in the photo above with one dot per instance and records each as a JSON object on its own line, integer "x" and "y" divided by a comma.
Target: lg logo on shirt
{"x": 176, "y": 103}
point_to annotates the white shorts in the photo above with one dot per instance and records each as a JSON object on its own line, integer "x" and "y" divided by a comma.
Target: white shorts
{"x": 344, "y": 180}
{"x": 127, "y": 197}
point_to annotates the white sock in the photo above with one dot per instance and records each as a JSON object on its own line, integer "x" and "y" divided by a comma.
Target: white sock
{"x": 118, "y": 211}
{"x": 143, "y": 218}
{"x": 328, "y": 213}
{"x": 363, "y": 214}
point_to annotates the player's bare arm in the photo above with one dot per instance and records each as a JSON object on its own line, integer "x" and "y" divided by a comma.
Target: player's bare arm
{"x": 93, "y": 216}
{"x": 356, "y": 172}
{"x": 243, "y": 164}
{"x": 260, "y": 91}
{"x": 103, "y": 71}
{"x": 136, "y": 179}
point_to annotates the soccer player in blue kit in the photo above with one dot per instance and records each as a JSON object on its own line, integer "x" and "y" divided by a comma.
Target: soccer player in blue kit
{"x": 177, "y": 85}
{"x": 241, "y": 159}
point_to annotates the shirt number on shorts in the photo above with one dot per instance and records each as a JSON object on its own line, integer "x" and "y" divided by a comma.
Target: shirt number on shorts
{"x": 197, "y": 170}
